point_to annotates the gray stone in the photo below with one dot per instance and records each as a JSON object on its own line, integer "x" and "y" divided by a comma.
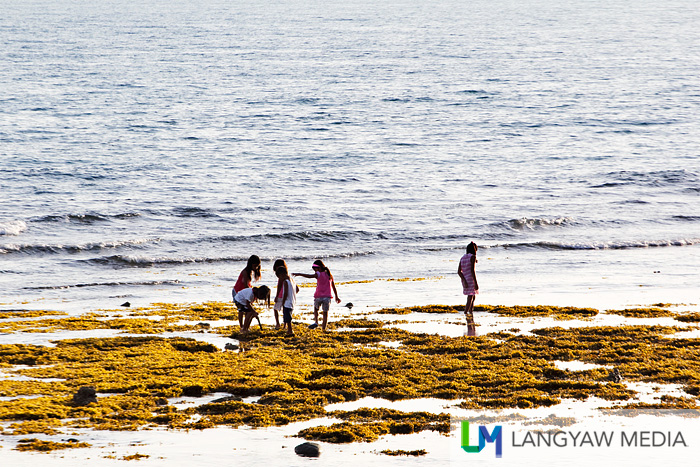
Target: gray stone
{"x": 615, "y": 376}
{"x": 227, "y": 399}
{"x": 193, "y": 391}
{"x": 308, "y": 450}
{"x": 84, "y": 396}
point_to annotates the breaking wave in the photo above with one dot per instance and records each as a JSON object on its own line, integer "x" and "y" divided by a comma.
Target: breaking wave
{"x": 12, "y": 228}
{"x": 623, "y": 245}
{"x": 104, "y": 284}
{"x": 525, "y": 223}
{"x": 150, "y": 261}
{"x": 30, "y": 249}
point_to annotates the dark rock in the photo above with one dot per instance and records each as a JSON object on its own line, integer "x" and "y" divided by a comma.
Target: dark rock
{"x": 349, "y": 305}
{"x": 161, "y": 401}
{"x": 227, "y": 399}
{"x": 308, "y": 450}
{"x": 126, "y": 304}
{"x": 615, "y": 376}
{"x": 84, "y": 396}
{"x": 204, "y": 325}
{"x": 72, "y": 440}
{"x": 230, "y": 346}
{"x": 193, "y": 391}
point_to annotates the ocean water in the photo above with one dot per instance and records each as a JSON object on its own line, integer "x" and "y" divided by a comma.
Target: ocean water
{"x": 148, "y": 149}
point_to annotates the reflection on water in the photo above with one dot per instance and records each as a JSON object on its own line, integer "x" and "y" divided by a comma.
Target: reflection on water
{"x": 471, "y": 325}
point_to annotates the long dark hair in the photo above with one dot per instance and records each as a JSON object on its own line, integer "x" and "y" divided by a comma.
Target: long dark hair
{"x": 278, "y": 263}
{"x": 263, "y": 293}
{"x": 471, "y": 248}
{"x": 253, "y": 267}
{"x": 323, "y": 268}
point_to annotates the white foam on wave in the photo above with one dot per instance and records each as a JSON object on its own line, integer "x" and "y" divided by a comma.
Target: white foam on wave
{"x": 12, "y": 228}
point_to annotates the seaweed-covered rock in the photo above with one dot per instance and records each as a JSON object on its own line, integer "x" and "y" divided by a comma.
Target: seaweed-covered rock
{"x": 84, "y": 396}
{"x": 615, "y": 376}
{"x": 193, "y": 391}
{"x": 308, "y": 450}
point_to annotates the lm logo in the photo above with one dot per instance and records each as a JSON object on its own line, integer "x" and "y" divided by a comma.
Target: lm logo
{"x": 484, "y": 437}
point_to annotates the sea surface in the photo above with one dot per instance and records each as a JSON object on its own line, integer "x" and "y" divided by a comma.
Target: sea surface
{"x": 148, "y": 148}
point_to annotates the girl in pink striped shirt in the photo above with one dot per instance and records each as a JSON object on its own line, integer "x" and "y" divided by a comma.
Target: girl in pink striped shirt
{"x": 467, "y": 273}
{"x": 322, "y": 296}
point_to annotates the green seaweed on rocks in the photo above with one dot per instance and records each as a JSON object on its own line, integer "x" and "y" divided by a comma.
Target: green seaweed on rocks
{"x": 356, "y": 323}
{"x": 557, "y": 312}
{"x": 296, "y": 379}
{"x": 33, "y": 444}
{"x": 688, "y": 318}
{"x": 642, "y": 313}
{"x": 401, "y": 452}
{"x": 17, "y": 314}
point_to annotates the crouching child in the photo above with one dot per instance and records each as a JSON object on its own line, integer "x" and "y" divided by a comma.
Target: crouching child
{"x": 244, "y": 302}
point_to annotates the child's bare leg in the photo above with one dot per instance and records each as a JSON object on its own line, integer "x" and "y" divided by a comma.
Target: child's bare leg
{"x": 316, "y": 315}
{"x": 469, "y": 308}
{"x": 257, "y": 316}
{"x": 289, "y": 329}
{"x": 277, "y": 319}
{"x": 325, "y": 320}
{"x": 248, "y": 319}
{"x": 240, "y": 318}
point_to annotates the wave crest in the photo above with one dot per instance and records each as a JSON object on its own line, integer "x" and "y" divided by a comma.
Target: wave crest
{"x": 12, "y": 228}
{"x": 70, "y": 249}
{"x": 87, "y": 218}
{"x": 526, "y": 223}
{"x": 622, "y": 245}
{"x": 137, "y": 261}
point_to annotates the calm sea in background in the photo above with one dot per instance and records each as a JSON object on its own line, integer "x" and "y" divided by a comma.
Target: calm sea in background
{"x": 147, "y": 149}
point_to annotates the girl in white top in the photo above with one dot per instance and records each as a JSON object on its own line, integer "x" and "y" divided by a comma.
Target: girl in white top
{"x": 289, "y": 297}
{"x": 244, "y": 302}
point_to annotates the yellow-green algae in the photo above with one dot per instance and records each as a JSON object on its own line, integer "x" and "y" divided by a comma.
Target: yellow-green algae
{"x": 556, "y": 312}
{"x": 367, "y": 281}
{"x": 369, "y": 424}
{"x": 688, "y": 318}
{"x": 401, "y": 452}
{"x": 297, "y": 378}
{"x": 33, "y": 444}
{"x": 642, "y": 313}
{"x": 14, "y": 314}
{"x": 165, "y": 318}
{"x": 135, "y": 457}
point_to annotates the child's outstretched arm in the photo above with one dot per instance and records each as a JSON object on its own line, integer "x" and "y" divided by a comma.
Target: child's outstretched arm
{"x": 308, "y": 276}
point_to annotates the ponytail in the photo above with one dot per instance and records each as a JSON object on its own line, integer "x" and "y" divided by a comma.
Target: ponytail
{"x": 323, "y": 268}
{"x": 263, "y": 293}
{"x": 253, "y": 268}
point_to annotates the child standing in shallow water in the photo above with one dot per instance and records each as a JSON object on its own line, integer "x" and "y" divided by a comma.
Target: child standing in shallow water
{"x": 467, "y": 273}
{"x": 289, "y": 297}
{"x": 280, "y": 289}
{"x": 322, "y": 296}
